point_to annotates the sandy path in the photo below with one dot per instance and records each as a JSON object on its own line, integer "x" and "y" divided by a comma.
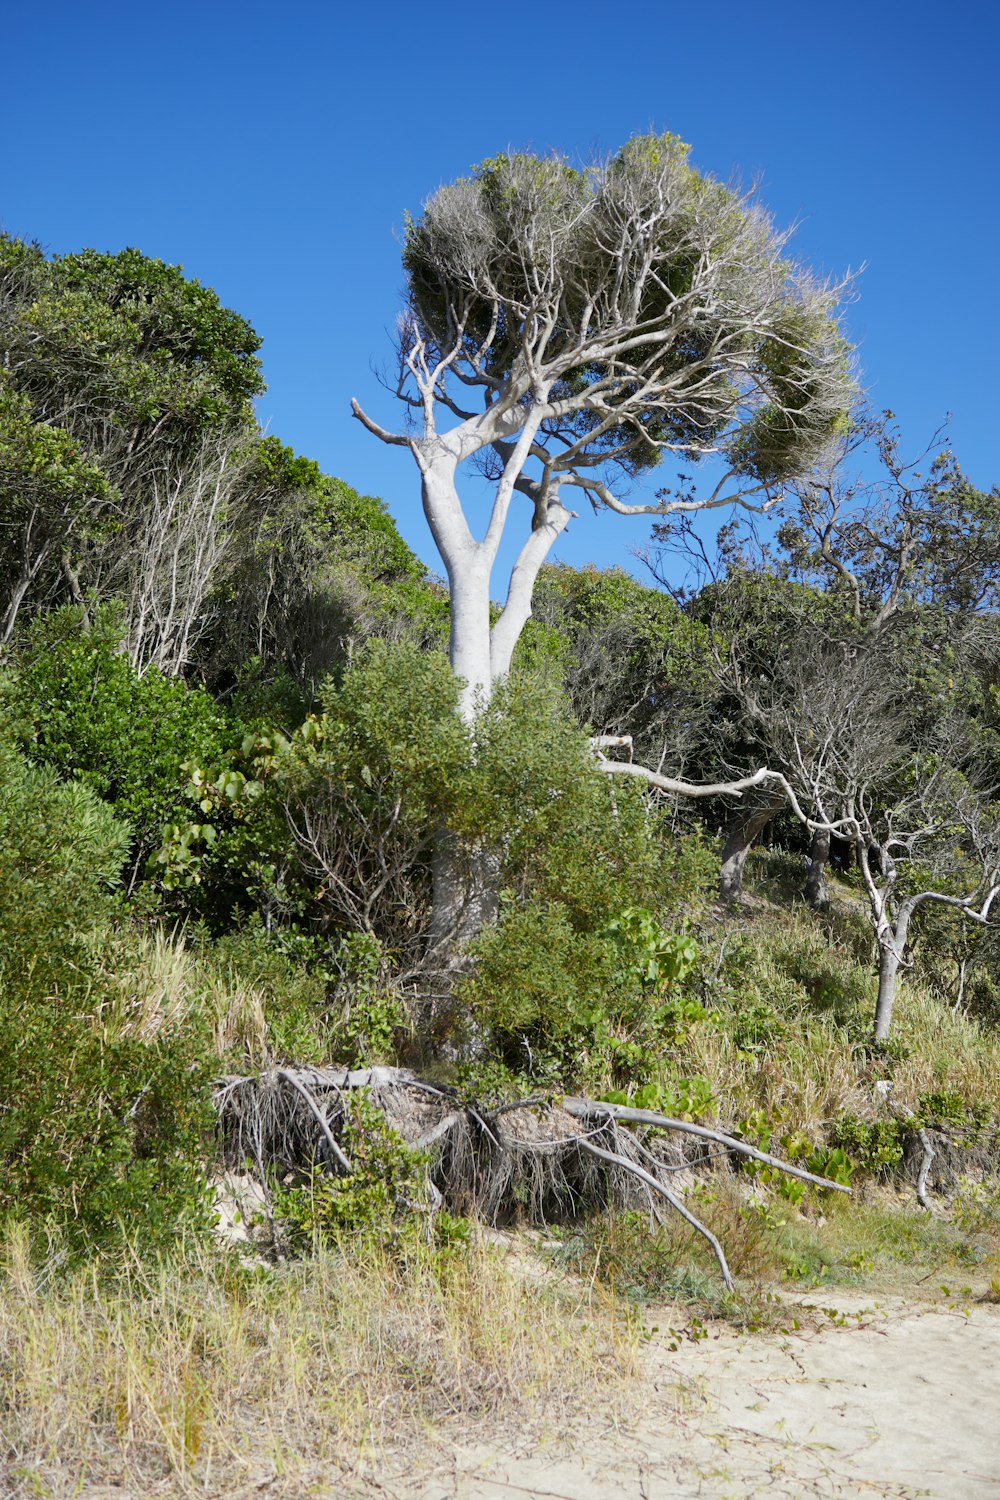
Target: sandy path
{"x": 900, "y": 1402}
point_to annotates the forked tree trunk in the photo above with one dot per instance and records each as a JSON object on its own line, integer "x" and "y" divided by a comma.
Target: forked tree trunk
{"x": 466, "y": 883}
{"x": 742, "y": 832}
{"x": 817, "y": 892}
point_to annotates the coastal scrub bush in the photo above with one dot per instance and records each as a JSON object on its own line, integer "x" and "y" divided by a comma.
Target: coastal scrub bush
{"x": 77, "y": 704}
{"x": 386, "y": 1187}
{"x": 101, "y": 1131}
{"x": 563, "y": 1005}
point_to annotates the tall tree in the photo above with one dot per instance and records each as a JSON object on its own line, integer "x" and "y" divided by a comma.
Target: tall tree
{"x": 574, "y": 327}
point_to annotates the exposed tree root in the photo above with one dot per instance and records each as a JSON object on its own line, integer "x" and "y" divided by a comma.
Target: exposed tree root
{"x": 548, "y": 1160}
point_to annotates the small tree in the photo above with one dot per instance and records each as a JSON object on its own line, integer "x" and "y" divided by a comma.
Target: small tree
{"x": 899, "y": 562}
{"x": 573, "y": 327}
{"x": 863, "y": 757}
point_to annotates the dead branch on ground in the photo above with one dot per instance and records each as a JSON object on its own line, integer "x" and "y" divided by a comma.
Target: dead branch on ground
{"x": 550, "y": 1159}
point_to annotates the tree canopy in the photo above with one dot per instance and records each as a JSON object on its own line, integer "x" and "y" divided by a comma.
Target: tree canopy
{"x": 574, "y": 327}
{"x": 646, "y": 308}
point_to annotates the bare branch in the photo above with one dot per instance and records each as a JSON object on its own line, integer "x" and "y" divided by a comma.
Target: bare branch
{"x": 583, "y": 1144}
{"x": 396, "y": 439}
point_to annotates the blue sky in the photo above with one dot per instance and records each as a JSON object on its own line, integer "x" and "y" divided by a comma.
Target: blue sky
{"x": 273, "y": 149}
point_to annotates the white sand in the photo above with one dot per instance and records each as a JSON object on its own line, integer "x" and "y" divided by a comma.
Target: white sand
{"x": 903, "y": 1402}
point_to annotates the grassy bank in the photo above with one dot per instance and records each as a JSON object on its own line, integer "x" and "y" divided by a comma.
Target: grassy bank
{"x": 204, "y": 1376}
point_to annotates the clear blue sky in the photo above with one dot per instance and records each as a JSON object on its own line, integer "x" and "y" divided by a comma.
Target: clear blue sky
{"x": 273, "y": 149}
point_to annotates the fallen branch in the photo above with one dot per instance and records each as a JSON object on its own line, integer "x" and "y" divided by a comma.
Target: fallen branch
{"x": 926, "y": 1159}
{"x": 672, "y": 1199}
{"x": 925, "y": 1166}
{"x": 526, "y": 1155}
{"x": 589, "y": 1109}
{"x": 287, "y": 1076}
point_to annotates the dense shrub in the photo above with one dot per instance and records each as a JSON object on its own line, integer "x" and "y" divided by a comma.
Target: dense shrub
{"x": 603, "y": 1007}
{"x": 387, "y": 1185}
{"x": 78, "y": 705}
{"x": 291, "y": 997}
{"x": 101, "y": 1130}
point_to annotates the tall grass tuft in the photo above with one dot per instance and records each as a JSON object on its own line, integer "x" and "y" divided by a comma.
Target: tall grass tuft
{"x": 204, "y": 1374}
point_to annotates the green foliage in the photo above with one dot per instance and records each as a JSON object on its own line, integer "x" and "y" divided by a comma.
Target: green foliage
{"x": 116, "y": 370}
{"x": 124, "y": 383}
{"x": 316, "y": 568}
{"x": 639, "y": 1265}
{"x": 572, "y": 835}
{"x": 632, "y": 661}
{"x": 948, "y": 1107}
{"x": 102, "y": 1130}
{"x": 128, "y": 334}
{"x": 360, "y": 525}
{"x": 535, "y": 975}
{"x": 792, "y": 1143}
{"x": 390, "y": 726}
{"x": 976, "y": 1208}
{"x": 562, "y": 1004}
{"x": 368, "y": 782}
{"x": 387, "y": 1185}
{"x": 230, "y": 851}
{"x": 368, "y": 1014}
{"x": 61, "y": 851}
{"x": 678, "y": 1099}
{"x": 873, "y": 1241}
{"x": 672, "y": 1264}
{"x": 105, "y": 1137}
{"x": 478, "y": 246}
{"x": 768, "y": 983}
{"x": 580, "y": 973}
{"x": 291, "y": 1020}
{"x": 78, "y": 705}
{"x": 874, "y": 1146}
{"x": 653, "y": 957}
{"x": 46, "y": 477}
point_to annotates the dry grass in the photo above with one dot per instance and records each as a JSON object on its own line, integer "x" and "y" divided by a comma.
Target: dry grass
{"x": 213, "y": 1378}
{"x": 809, "y": 1084}
{"x": 809, "y": 986}
{"x": 946, "y": 1050}
{"x": 153, "y": 981}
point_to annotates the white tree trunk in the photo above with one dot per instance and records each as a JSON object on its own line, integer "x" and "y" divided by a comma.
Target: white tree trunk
{"x": 892, "y": 945}
{"x": 888, "y": 970}
{"x": 469, "y": 643}
{"x": 466, "y": 898}
{"x": 468, "y": 565}
{"x": 464, "y": 882}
